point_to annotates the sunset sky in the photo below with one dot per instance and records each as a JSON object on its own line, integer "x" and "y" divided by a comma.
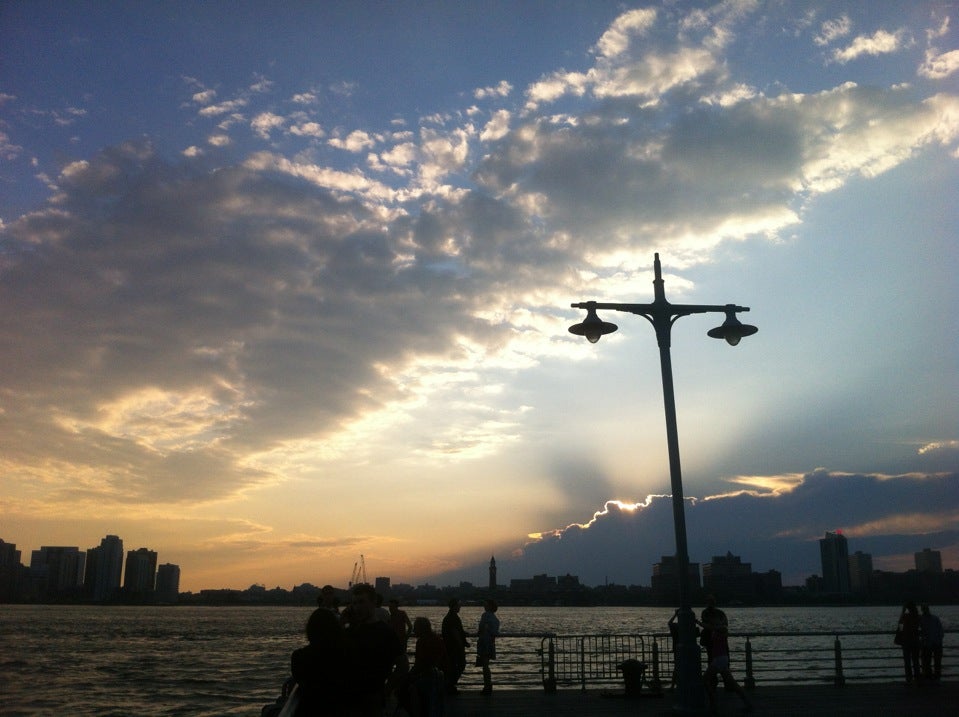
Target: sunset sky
{"x": 285, "y": 284}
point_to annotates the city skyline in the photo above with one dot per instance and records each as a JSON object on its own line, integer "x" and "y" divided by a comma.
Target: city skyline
{"x": 283, "y": 286}
{"x": 925, "y": 560}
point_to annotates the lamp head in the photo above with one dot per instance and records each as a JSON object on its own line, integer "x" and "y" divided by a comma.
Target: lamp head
{"x": 732, "y": 330}
{"x": 592, "y": 327}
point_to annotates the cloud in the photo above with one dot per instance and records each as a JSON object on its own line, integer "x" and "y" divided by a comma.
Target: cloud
{"x": 938, "y": 66}
{"x": 624, "y": 175}
{"x": 223, "y": 108}
{"x": 308, "y": 129}
{"x": 266, "y": 122}
{"x": 832, "y": 30}
{"x": 774, "y": 527}
{"x": 355, "y": 141}
{"x": 940, "y": 447}
{"x": 212, "y": 317}
{"x": 497, "y": 127}
{"x": 880, "y": 42}
{"x": 616, "y": 39}
{"x": 179, "y": 330}
{"x": 205, "y": 97}
{"x": 500, "y": 90}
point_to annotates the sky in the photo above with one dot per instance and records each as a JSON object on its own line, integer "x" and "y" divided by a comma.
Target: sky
{"x": 285, "y": 286}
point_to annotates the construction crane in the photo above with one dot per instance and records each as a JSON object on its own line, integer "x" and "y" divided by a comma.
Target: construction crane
{"x": 359, "y": 572}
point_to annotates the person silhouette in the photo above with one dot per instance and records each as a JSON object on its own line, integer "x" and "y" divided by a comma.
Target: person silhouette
{"x": 322, "y": 668}
{"x": 930, "y": 638}
{"x": 907, "y": 636}
{"x": 379, "y": 658}
{"x": 719, "y": 666}
{"x": 454, "y": 637}
{"x": 486, "y": 643}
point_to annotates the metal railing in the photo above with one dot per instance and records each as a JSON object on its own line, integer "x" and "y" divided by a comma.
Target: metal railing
{"x": 591, "y": 659}
{"x": 586, "y": 662}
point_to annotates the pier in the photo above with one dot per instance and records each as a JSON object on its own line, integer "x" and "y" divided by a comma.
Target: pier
{"x": 786, "y": 674}
{"x": 857, "y": 700}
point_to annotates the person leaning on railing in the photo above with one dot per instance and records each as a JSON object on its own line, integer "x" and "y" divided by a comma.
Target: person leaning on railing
{"x": 930, "y": 638}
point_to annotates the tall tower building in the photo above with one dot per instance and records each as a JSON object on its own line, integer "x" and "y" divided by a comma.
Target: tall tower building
{"x": 10, "y": 570}
{"x": 168, "y": 583}
{"x": 104, "y": 568}
{"x": 492, "y": 574}
{"x": 140, "y": 578}
{"x": 860, "y": 572}
{"x": 834, "y": 552}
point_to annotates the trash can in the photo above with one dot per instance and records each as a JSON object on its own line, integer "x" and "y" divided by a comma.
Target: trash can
{"x": 633, "y": 671}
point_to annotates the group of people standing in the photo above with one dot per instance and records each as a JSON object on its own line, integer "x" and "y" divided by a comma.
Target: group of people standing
{"x": 714, "y": 638}
{"x": 920, "y": 637}
{"x": 356, "y": 659}
{"x": 919, "y": 634}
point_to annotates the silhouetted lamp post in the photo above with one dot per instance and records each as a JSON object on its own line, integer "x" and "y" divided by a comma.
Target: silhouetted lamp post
{"x": 661, "y": 314}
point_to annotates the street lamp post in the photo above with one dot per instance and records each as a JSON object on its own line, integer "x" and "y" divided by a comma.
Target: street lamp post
{"x": 661, "y": 314}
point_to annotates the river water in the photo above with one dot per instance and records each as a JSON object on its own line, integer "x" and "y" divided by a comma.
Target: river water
{"x": 205, "y": 661}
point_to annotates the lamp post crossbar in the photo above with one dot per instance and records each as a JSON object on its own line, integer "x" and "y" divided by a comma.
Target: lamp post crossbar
{"x": 690, "y": 698}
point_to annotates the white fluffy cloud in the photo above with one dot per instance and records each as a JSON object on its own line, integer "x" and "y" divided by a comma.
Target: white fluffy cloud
{"x": 881, "y": 42}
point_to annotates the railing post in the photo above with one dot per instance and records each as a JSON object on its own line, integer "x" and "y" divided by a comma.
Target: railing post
{"x": 582, "y": 662}
{"x": 750, "y": 682}
{"x": 654, "y": 684}
{"x": 550, "y": 684}
{"x": 837, "y": 647}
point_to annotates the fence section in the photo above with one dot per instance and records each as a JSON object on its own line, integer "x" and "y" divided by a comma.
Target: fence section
{"x": 578, "y": 660}
{"x": 770, "y": 658}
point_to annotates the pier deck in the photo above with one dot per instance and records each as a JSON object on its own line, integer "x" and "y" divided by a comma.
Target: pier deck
{"x": 856, "y": 700}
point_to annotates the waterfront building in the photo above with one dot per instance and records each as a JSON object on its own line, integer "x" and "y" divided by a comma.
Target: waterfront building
{"x": 537, "y": 584}
{"x": 768, "y": 586}
{"x": 492, "y": 574}
{"x": 860, "y": 573}
{"x": 834, "y": 552}
{"x": 139, "y": 581}
{"x": 665, "y": 579}
{"x": 57, "y": 570}
{"x": 728, "y": 578}
{"x": 104, "y": 569}
{"x": 382, "y": 586}
{"x": 929, "y": 561}
{"x": 568, "y": 582}
{"x": 168, "y": 583}
{"x": 814, "y": 585}
{"x": 10, "y": 570}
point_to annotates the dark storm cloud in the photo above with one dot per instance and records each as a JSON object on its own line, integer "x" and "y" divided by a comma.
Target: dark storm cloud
{"x": 770, "y": 530}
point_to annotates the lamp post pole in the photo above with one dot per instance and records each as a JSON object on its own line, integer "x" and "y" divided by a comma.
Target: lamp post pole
{"x": 690, "y": 698}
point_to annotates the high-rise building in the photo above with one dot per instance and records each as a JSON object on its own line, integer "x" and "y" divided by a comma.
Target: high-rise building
{"x": 727, "y": 577}
{"x": 860, "y": 572}
{"x": 382, "y": 586}
{"x": 140, "y": 578}
{"x": 834, "y": 552}
{"x": 492, "y": 574}
{"x": 665, "y": 579}
{"x": 929, "y": 561}
{"x": 104, "y": 568}
{"x": 10, "y": 570}
{"x": 57, "y": 570}
{"x": 168, "y": 583}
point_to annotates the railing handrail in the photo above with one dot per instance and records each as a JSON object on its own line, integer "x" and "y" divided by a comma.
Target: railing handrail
{"x": 758, "y": 657}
